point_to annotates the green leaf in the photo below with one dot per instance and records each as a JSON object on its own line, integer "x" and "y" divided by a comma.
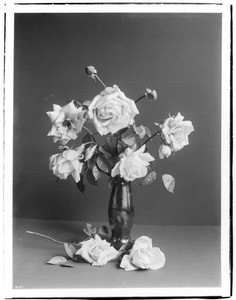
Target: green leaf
{"x": 86, "y": 102}
{"x": 103, "y": 164}
{"x": 70, "y": 249}
{"x": 149, "y": 178}
{"x": 89, "y": 230}
{"x": 89, "y": 152}
{"x": 86, "y": 139}
{"x": 140, "y": 131}
{"x": 129, "y": 140}
{"x": 147, "y": 131}
{"x": 57, "y": 260}
{"x": 110, "y": 145}
{"x": 96, "y": 172}
{"x": 67, "y": 265}
{"x": 169, "y": 182}
{"x": 80, "y": 185}
{"x": 103, "y": 230}
{"x": 119, "y": 133}
{"x": 79, "y": 258}
{"x": 121, "y": 147}
{"x": 90, "y": 177}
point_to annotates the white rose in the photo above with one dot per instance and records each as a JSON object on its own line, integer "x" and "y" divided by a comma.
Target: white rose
{"x": 143, "y": 256}
{"x": 66, "y": 163}
{"x": 132, "y": 164}
{"x": 67, "y": 122}
{"x": 176, "y": 132}
{"x": 97, "y": 251}
{"x": 111, "y": 111}
{"x": 164, "y": 151}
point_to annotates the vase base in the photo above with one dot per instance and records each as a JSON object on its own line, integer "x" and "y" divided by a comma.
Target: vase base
{"x": 122, "y": 244}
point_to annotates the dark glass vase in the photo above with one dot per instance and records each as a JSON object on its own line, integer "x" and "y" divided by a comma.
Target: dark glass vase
{"x": 121, "y": 214}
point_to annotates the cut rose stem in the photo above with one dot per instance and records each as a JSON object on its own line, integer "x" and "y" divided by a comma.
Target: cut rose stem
{"x": 48, "y": 237}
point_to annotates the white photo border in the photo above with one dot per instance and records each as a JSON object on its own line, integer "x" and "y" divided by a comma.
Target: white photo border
{"x": 10, "y": 8}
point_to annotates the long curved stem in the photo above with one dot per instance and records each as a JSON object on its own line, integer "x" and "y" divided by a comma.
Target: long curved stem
{"x": 54, "y": 240}
{"x": 143, "y": 96}
{"x": 48, "y": 237}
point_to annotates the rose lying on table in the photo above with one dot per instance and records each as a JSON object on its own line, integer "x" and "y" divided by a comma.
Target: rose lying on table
{"x": 143, "y": 256}
{"x": 97, "y": 251}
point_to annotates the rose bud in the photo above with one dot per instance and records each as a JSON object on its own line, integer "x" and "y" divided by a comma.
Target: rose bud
{"x": 151, "y": 94}
{"x": 91, "y": 71}
{"x": 164, "y": 151}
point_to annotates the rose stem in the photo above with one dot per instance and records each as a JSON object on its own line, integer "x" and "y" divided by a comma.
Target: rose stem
{"x": 31, "y": 232}
{"x": 143, "y": 96}
{"x": 48, "y": 237}
{"x": 100, "y": 80}
{"x": 158, "y": 132}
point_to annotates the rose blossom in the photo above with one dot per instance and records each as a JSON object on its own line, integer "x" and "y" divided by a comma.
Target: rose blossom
{"x": 164, "y": 151}
{"x": 111, "y": 111}
{"x": 176, "y": 132}
{"x": 66, "y": 163}
{"x": 67, "y": 122}
{"x": 97, "y": 251}
{"x": 143, "y": 256}
{"x": 132, "y": 164}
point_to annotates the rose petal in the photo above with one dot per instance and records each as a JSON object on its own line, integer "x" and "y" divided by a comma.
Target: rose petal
{"x": 159, "y": 259}
{"x": 126, "y": 263}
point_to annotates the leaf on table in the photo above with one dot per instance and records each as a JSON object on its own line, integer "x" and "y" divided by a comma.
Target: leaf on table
{"x": 103, "y": 230}
{"x": 169, "y": 182}
{"x": 79, "y": 258}
{"x": 67, "y": 265}
{"x": 57, "y": 260}
{"x": 149, "y": 178}
{"x": 70, "y": 249}
{"x": 89, "y": 229}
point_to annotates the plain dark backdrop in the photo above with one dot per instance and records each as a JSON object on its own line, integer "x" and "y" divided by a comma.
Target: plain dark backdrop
{"x": 178, "y": 54}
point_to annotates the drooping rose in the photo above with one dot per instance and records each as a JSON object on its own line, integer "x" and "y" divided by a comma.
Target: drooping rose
{"x": 164, "y": 151}
{"x": 132, "y": 164}
{"x": 151, "y": 94}
{"x": 111, "y": 111}
{"x": 67, "y": 122}
{"x": 176, "y": 131}
{"x": 143, "y": 256}
{"x": 67, "y": 163}
{"x": 97, "y": 251}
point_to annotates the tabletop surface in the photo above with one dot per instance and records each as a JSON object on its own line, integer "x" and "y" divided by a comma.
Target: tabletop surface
{"x": 192, "y": 258}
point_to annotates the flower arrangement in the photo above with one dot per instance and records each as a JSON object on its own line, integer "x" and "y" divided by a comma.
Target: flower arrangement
{"x": 123, "y": 157}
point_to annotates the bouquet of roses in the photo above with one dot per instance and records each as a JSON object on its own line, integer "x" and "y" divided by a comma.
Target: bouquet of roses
{"x": 122, "y": 155}
{"x": 124, "y": 151}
